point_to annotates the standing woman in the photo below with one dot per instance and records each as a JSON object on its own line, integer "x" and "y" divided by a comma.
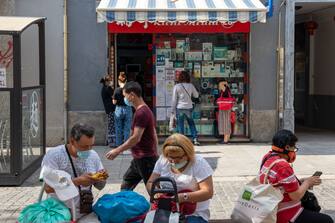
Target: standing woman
{"x": 107, "y": 91}
{"x": 224, "y": 125}
{"x": 182, "y": 104}
{"x": 123, "y": 112}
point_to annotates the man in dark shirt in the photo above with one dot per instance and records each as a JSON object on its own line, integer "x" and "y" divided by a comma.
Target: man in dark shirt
{"x": 142, "y": 142}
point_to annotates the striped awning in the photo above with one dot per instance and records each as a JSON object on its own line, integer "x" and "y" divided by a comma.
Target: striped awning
{"x": 181, "y": 11}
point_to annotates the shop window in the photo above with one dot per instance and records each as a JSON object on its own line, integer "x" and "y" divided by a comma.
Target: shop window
{"x": 209, "y": 59}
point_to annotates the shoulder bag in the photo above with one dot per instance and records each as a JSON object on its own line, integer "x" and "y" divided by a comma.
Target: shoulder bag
{"x": 224, "y": 103}
{"x": 86, "y": 196}
{"x": 193, "y": 99}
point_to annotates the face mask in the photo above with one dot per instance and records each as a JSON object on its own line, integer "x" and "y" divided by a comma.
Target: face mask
{"x": 127, "y": 102}
{"x": 83, "y": 154}
{"x": 179, "y": 165}
{"x": 291, "y": 155}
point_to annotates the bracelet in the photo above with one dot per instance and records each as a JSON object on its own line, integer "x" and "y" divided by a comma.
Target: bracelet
{"x": 185, "y": 196}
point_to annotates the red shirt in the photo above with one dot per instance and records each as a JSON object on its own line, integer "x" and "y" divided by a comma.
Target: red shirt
{"x": 283, "y": 176}
{"x": 147, "y": 146}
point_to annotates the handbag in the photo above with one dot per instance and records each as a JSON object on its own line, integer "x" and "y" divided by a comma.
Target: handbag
{"x": 258, "y": 202}
{"x": 85, "y": 196}
{"x": 193, "y": 99}
{"x": 310, "y": 202}
{"x": 232, "y": 117}
{"x": 224, "y": 103}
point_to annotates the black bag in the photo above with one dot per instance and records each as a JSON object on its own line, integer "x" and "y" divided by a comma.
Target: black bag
{"x": 86, "y": 201}
{"x": 310, "y": 202}
{"x": 85, "y": 196}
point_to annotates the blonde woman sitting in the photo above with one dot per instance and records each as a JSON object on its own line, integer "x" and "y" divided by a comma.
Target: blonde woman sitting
{"x": 191, "y": 173}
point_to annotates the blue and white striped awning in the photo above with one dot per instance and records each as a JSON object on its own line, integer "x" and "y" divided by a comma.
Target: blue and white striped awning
{"x": 181, "y": 11}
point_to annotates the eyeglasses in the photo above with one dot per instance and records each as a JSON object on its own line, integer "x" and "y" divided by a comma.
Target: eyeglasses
{"x": 293, "y": 149}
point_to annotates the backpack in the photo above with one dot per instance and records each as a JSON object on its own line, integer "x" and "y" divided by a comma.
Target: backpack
{"x": 121, "y": 207}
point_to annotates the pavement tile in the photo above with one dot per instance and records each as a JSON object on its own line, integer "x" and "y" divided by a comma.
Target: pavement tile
{"x": 233, "y": 165}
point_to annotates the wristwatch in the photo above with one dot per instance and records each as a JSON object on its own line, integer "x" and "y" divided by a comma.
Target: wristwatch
{"x": 185, "y": 196}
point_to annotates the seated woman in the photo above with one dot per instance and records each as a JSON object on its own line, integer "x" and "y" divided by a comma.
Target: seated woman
{"x": 282, "y": 176}
{"x": 190, "y": 171}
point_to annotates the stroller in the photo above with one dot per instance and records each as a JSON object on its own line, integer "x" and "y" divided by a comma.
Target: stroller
{"x": 166, "y": 207}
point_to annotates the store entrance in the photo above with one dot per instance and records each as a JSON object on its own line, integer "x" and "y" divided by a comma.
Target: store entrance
{"x": 134, "y": 56}
{"x": 314, "y": 98}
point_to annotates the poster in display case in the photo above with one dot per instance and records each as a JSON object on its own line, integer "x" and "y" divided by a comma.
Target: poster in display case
{"x": 209, "y": 59}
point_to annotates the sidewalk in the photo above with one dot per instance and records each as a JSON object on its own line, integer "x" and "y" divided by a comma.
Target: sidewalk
{"x": 233, "y": 166}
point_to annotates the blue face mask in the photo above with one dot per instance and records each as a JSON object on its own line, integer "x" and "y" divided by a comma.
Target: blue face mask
{"x": 83, "y": 154}
{"x": 127, "y": 102}
{"x": 179, "y": 165}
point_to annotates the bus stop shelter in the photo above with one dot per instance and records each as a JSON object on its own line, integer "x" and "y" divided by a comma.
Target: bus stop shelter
{"x": 22, "y": 97}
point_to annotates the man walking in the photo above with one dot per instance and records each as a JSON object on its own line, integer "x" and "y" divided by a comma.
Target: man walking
{"x": 142, "y": 142}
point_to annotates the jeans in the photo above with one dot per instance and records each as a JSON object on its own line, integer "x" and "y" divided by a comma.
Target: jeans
{"x": 195, "y": 219}
{"x": 181, "y": 115}
{"x": 123, "y": 116}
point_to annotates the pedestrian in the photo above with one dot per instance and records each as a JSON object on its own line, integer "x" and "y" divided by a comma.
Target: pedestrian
{"x": 107, "y": 92}
{"x": 182, "y": 104}
{"x": 142, "y": 141}
{"x": 191, "y": 173}
{"x": 79, "y": 160}
{"x": 224, "y": 116}
{"x": 282, "y": 176}
{"x": 123, "y": 112}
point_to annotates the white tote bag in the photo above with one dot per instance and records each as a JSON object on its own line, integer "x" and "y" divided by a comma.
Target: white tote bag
{"x": 172, "y": 123}
{"x": 258, "y": 202}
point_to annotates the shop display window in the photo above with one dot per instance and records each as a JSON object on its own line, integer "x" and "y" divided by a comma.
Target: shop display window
{"x": 210, "y": 58}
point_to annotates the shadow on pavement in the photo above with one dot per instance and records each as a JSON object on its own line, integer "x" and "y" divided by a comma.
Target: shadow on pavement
{"x": 315, "y": 141}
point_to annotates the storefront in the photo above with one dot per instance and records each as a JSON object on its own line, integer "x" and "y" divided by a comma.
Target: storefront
{"x": 154, "y": 40}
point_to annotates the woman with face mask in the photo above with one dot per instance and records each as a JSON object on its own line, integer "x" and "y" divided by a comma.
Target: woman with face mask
{"x": 123, "y": 112}
{"x": 282, "y": 176}
{"x": 190, "y": 171}
{"x": 107, "y": 91}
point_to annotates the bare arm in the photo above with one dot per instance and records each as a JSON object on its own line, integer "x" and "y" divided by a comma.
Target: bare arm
{"x": 204, "y": 193}
{"x": 133, "y": 139}
{"x": 308, "y": 182}
{"x": 114, "y": 101}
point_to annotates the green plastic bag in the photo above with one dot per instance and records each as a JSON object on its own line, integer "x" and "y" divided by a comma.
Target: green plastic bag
{"x": 50, "y": 210}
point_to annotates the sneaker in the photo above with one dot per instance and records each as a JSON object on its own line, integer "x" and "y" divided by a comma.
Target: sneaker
{"x": 196, "y": 142}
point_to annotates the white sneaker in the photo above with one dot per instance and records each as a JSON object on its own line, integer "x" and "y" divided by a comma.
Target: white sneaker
{"x": 196, "y": 142}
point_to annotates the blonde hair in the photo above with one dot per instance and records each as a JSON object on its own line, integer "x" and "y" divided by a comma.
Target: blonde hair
{"x": 179, "y": 144}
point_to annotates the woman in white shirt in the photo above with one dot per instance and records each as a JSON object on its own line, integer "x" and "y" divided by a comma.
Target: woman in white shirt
{"x": 182, "y": 104}
{"x": 191, "y": 173}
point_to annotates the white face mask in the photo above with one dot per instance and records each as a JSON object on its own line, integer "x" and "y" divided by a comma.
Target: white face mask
{"x": 179, "y": 165}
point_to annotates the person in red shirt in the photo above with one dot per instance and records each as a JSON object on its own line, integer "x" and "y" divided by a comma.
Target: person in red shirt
{"x": 142, "y": 142}
{"x": 282, "y": 176}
